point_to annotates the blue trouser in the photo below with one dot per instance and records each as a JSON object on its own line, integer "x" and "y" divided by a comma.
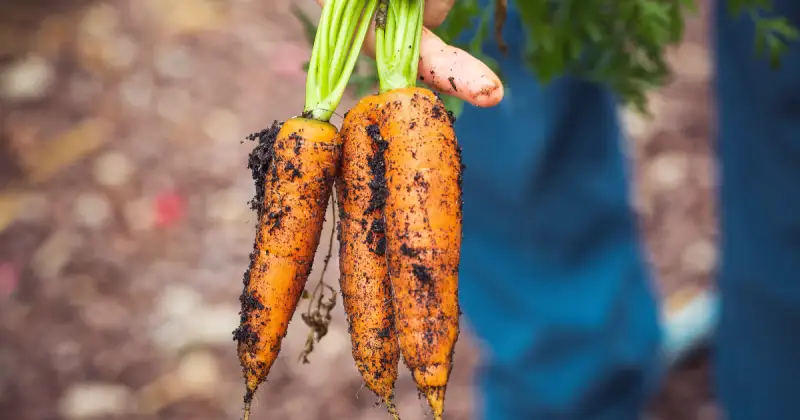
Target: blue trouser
{"x": 554, "y": 280}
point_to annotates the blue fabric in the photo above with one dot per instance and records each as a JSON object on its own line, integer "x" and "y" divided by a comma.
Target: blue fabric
{"x": 552, "y": 278}
{"x": 757, "y": 341}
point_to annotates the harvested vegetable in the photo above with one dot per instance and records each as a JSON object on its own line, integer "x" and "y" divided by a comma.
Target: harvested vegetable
{"x": 364, "y": 280}
{"x": 423, "y": 204}
{"x": 294, "y": 167}
{"x": 295, "y": 170}
{"x": 423, "y": 234}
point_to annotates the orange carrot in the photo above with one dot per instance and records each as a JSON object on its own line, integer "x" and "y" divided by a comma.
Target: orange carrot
{"x": 423, "y": 233}
{"x": 297, "y": 165}
{"x": 364, "y": 281}
{"x": 423, "y": 204}
{"x": 294, "y": 168}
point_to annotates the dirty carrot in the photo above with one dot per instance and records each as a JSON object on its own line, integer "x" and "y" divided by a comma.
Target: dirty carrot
{"x": 364, "y": 278}
{"x": 423, "y": 204}
{"x": 294, "y": 166}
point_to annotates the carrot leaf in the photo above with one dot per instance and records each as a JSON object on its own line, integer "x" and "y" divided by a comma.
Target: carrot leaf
{"x": 398, "y": 36}
{"x": 338, "y": 40}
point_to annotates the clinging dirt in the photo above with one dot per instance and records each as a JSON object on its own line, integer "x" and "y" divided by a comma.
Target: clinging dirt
{"x": 377, "y": 167}
{"x": 259, "y": 161}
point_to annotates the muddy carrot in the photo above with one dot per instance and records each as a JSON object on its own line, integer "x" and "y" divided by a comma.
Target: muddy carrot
{"x": 423, "y": 232}
{"x": 423, "y": 204}
{"x": 294, "y": 167}
{"x": 364, "y": 279}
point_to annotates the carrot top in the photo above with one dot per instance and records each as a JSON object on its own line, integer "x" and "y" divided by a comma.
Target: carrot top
{"x": 398, "y": 34}
{"x": 337, "y": 44}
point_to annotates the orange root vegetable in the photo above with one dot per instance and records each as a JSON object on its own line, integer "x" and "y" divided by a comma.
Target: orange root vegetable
{"x": 423, "y": 233}
{"x": 423, "y": 204}
{"x": 364, "y": 280}
{"x": 294, "y": 168}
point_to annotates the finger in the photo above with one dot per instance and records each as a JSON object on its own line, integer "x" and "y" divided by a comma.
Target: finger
{"x": 455, "y": 72}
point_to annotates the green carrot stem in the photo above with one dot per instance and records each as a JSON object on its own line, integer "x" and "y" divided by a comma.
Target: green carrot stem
{"x": 341, "y": 44}
{"x": 398, "y": 43}
{"x": 340, "y": 35}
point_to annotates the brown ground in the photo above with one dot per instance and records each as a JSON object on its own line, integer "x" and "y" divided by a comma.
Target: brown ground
{"x": 124, "y": 225}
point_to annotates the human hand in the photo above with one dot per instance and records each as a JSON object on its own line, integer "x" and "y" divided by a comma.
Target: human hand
{"x": 447, "y": 69}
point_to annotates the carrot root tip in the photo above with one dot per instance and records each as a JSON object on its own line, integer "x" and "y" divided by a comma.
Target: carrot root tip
{"x": 391, "y": 408}
{"x": 435, "y": 397}
{"x": 246, "y": 410}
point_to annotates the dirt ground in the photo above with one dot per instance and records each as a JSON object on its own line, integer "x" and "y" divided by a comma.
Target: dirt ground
{"x": 124, "y": 224}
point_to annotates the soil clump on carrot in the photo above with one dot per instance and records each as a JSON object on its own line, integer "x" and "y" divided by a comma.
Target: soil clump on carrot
{"x": 377, "y": 168}
{"x": 259, "y": 160}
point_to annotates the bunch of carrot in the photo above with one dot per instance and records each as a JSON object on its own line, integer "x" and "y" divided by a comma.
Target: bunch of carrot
{"x": 397, "y": 172}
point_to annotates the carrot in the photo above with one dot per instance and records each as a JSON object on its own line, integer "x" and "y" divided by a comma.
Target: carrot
{"x": 423, "y": 232}
{"x": 423, "y": 204}
{"x": 301, "y": 166}
{"x": 294, "y": 168}
{"x": 364, "y": 280}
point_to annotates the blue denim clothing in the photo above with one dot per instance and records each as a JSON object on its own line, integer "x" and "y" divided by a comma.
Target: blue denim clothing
{"x": 758, "y": 337}
{"x": 553, "y": 275}
{"x": 553, "y": 278}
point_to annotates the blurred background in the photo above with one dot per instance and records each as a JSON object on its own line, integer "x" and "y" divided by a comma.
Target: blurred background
{"x": 125, "y": 228}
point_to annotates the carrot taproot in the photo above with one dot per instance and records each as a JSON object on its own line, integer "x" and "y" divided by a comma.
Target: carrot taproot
{"x": 297, "y": 169}
{"x": 423, "y": 234}
{"x": 294, "y": 168}
{"x": 423, "y": 204}
{"x": 364, "y": 277}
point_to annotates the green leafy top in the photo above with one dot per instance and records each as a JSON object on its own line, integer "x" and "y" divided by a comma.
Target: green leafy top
{"x": 336, "y": 48}
{"x": 398, "y": 34}
{"x": 619, "y": 43}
